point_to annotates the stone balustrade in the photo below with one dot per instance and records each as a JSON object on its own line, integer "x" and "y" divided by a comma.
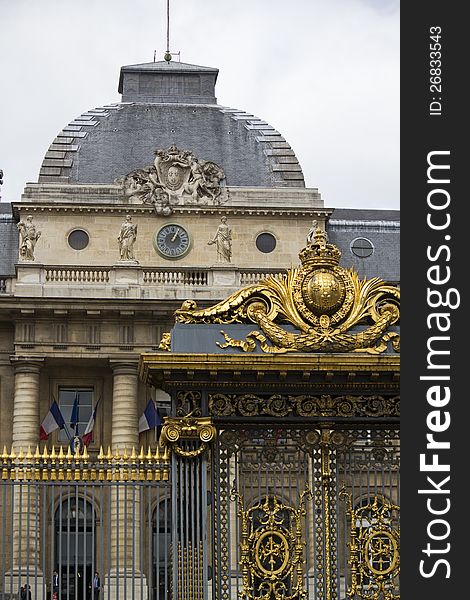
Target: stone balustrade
{"x": 131, "y": 280}
{"x": 84, "y": 275}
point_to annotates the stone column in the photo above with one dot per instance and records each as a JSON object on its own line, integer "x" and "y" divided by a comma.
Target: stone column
{"x": 26, "y": 404}
{"x": 25, "y": 558}
{"x": 125, "y": 578}
{"x": 125, "y": 420}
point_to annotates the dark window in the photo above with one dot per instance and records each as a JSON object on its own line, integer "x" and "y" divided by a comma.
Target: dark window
{"x": 362, "y": 247}
{"x": 75, "y": 537}
{"x": 265, "y": 242}
{"x": 78, "y": 239}
{"x": 84, "y": 398}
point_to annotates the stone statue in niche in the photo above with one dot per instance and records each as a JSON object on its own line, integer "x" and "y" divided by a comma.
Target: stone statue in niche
{"x": 176, "y": 177}
{"x": 126, "y": 239}
{"x": 223, "y": 241}
{"x": 28, "y": 238}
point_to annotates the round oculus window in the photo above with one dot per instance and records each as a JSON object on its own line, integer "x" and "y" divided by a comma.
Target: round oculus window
{"x": 78, "y": 239}
{"x": 266, "y": 242}
{"x": 362, "y": 247}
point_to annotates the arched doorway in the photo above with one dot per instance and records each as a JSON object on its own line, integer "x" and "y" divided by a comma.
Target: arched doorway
{"x": 161, "y": 550}
{"x": 74, "y": 547}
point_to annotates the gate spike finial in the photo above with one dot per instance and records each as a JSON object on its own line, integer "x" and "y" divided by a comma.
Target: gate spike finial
{"x": 166, "y": 453}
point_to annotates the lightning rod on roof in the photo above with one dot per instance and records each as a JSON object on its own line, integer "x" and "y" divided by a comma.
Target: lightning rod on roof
{"x": 167, "y": 55}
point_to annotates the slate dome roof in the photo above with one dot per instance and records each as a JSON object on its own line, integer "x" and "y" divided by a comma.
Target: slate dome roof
{"x": 164, "y": 104}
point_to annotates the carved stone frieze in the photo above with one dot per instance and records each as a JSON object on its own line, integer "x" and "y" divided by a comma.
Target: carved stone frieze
{"x": 177, "y": 177}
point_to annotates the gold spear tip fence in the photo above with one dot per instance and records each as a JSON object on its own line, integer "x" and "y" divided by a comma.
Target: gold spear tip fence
{"x": 64, "y": 465}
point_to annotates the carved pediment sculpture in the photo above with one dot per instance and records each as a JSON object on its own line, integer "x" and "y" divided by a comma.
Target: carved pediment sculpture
{"x": 332, "y": 309}
{"x": 177, "y": 177}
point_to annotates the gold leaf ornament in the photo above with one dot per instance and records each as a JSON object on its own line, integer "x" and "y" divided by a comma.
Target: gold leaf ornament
{"x": 322, "y": 300}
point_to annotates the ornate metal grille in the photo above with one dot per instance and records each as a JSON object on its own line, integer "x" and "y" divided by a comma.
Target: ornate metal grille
{"x": 268, "y": 468}
{"x": 368, "y": 512}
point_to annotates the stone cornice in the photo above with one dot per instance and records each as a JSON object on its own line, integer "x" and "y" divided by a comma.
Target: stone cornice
{"x": 124, "y": 209}
{"x": 108, "y": 198}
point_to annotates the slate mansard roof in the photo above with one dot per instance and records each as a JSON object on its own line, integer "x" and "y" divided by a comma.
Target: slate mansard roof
{"x": 8, "y": 240}
{"x": 381, "y": 228}
{"x": 164, "y": 104}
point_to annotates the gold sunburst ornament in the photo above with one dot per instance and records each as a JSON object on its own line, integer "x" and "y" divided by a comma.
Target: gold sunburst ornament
{"x": 332, "y": 309}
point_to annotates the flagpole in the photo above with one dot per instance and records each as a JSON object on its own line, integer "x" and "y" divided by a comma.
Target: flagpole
{"x": 66, "y": 429}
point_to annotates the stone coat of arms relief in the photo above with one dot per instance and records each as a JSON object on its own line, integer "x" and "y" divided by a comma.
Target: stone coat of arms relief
{"x": 176, "y": 178}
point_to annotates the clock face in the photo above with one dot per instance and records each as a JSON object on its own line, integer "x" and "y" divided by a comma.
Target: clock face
{"x": 172, "y": 241}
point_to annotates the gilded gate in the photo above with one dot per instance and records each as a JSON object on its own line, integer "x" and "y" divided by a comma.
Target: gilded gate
{"x": 298, "y": 377}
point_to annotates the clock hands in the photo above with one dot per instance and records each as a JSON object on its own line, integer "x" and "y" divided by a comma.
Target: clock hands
{"x": 173, "y": 239}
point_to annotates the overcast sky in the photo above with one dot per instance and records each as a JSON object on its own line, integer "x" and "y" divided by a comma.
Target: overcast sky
{"x": 324, "y": 73}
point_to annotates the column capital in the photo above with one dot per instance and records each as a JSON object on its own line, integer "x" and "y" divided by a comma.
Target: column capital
{"x": 124, "y": 367}
{"x": 27, "y": 364}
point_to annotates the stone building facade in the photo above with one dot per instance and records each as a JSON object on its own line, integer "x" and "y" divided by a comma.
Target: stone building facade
{"x": 140, "y": 206}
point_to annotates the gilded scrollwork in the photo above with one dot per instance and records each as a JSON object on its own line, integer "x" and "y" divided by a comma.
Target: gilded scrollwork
{"x": 272, "y": 548}
{"x": 374, "y": 549}
{"x": 165, "y": 342}
{"x": 187, "y": 429}
{"x": 188, "y": 404}
{"x": 325, "y": 405}
{"x": 332, "y": 309}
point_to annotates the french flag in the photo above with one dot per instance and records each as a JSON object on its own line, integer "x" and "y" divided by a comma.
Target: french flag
{"x": 88, "y": 433}
{"x": 151, "y": 418}
{"x": 52, "y": 421}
